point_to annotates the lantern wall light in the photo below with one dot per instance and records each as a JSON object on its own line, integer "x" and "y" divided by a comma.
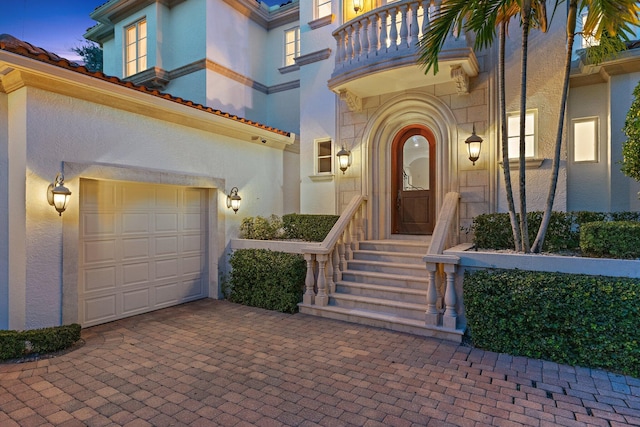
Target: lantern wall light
{"x": 357, "y": 5}
{"x": 233, "y": 200}
{"x": 58, "y": 194}
{"x": 474, "y": 145}
{"x": 344, "y": 159}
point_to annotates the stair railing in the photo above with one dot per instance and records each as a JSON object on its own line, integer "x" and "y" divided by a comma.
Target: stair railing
{"x": 326, "y": 262}
{"x": 436, "y": 261}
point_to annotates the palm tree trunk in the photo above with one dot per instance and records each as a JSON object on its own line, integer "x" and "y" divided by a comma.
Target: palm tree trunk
{"x": 524, "y": 229}
{"x": 515, "y": 229}
{"x": 553, "y": 183}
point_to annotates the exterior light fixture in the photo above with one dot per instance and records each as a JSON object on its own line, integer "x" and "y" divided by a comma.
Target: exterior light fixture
{"x": 344, "y": 158}
{"x": 233, "y": 200}
{"x": 357, "y": 5}
{"x": 474, "y": 145}
{"x": 58, "y": 194}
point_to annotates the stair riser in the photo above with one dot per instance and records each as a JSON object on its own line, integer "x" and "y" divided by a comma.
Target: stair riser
{"x": 354, "y": 276}
{"x": 393, "y": 247}
{"x": 408, "y": 313}
{"x": 381, "y": 294}
{"x": 382, "y": 257}
{"x": 405, "y": 270}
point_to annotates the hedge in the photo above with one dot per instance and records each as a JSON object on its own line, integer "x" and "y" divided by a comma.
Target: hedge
{"x": 16, "y": 344}
{"x": 311, "y": 228}
{"x": 266, "y": 279}
{"x": 572, "y": 319}
{"x": 616, "y": 239}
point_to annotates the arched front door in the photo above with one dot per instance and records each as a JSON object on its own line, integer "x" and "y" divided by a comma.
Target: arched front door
{"x": 413, "y": 181}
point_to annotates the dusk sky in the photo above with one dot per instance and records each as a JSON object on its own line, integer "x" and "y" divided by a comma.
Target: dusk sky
{"x": 54, "y": 25}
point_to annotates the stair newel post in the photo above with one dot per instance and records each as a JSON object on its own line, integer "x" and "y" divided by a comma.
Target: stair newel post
{"x": 337, "y": 273}
{"x": 322, "y": 298}
{"x": 432, "y": 316}
{"x": 309, "y": 294}
{"x": 450, "y": 317}
{"x": 331, "y": 285}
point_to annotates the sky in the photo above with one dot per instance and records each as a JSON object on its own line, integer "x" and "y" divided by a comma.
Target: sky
{"x": 54, "y": 25}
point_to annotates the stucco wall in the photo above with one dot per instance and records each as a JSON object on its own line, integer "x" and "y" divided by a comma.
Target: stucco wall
{"x": 61, "y": 129}
{"x": 4, "y": 213}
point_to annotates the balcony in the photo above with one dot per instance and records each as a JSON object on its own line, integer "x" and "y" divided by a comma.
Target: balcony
{"x": 377, "y": 52}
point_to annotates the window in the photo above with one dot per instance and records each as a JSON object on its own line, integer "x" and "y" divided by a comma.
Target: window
{"x": 585, "y": 140}
{"x": 291, "y": 46}
{"x": 324, "y": 156}
{"x": 136, "y": 48}
{"x": 323, "y": 8}
{"x": 530, "y": 134}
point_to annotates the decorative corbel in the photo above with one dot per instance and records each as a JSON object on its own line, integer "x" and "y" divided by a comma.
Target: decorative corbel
{"x": 353, "y": 101}
{"x": 461, "y": 79}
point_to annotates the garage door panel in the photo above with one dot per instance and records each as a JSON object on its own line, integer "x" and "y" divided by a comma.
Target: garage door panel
{"x": 101, "y": 278}
{"x": 99, "y": 251}
{"x": 145, "y": 249}
{"x": 133, "y": 223}
{"x": 100, "y": 309}
{"x": 135, "y": 273}
{"x": 136, "y": 301}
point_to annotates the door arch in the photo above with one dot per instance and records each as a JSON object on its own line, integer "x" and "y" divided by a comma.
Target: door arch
{"x": 413, "y": 181}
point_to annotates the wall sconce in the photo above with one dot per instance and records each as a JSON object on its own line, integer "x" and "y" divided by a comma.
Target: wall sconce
{"x": 357, "y": 5}
{"x": 344, "y": 158}
{"x": 474, "y": 145}
{"x": 58, "y": 194}
{"x": 233, "y": 200}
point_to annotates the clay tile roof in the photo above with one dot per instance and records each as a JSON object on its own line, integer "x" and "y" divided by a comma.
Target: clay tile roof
{"x": 11, "y": 44}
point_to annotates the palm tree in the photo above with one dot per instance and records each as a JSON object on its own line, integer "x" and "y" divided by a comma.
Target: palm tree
{"x": 611, "y": 18}
{"x": 482, "y": 17}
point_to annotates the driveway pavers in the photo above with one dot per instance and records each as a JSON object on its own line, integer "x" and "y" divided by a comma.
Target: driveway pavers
{"x": 216, "y": 363}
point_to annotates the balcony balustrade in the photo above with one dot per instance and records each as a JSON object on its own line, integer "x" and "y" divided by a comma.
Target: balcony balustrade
{"x": 377, "y": 53}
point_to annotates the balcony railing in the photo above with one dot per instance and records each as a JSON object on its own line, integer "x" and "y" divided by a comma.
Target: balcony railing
{"x": 386, "y": 39}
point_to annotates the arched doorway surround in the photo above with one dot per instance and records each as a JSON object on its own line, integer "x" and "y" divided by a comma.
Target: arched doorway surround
{"x": 395, "y": 114}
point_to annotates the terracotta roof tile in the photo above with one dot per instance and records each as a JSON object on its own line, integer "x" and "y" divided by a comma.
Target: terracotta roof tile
{"x": 11, "y": 44}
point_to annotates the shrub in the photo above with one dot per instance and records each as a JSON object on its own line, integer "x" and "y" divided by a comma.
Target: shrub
{"x": 267, "y": 279}
{"x": 590, "y": 321}
{"x": 15, "y": 344}
{"x": 631, "y": 147}
{"x": 615, "y": 239}
{"x": 261, "y": 228}
{"x": 311, "y": 228}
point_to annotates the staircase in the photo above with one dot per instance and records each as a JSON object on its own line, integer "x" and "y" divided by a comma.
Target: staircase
{"x": 384, "y": 285}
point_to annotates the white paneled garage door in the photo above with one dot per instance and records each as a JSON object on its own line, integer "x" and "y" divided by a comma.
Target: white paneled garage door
{"x": 142, "y": 247}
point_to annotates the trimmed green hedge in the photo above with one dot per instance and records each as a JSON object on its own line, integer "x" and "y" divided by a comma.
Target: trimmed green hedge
{"x": 266, "y": 279}
{"x": 591, "y": 321}
{"x": 261, "y": 228}
{"x": 311, "y": 228}
{"x": 616, "y": 239}
{"x": 15, "y": 344}
{"x": 493, "y": 231}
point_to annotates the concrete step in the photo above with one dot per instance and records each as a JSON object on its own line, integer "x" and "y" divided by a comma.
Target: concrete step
{"x": 379, "y": 305}
{"x": 385, "y": 279}
{"x": 391, "y": 293}
{"x": 408, "y": 246}
{"x": 387, "y": 267}
{"x": 384, "y": 256}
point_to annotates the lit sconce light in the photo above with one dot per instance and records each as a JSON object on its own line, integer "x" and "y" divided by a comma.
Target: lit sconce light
{"x": 474, "y": 145}
{"x": 344, "y": 158}
{"x": 58, "y": 194}
{"x": 233, "y": 200}
{"x": 357, "y": 5}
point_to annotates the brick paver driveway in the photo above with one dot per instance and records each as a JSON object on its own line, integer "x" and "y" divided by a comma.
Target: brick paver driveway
{"x": 217, "y": 363}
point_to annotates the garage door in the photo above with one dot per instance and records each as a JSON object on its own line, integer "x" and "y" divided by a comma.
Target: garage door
{"x": 142, "y": 247}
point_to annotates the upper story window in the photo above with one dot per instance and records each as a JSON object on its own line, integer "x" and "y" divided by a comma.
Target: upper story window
{"x": 291, "y": 46}
{"x": 135, "y": 48}
{"x": 323, "y": 8}
{"x": 530, "y": 134}
{"x": 324, "y": 156}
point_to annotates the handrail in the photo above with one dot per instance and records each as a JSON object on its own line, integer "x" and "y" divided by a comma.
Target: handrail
{"x": 443, "y": 224}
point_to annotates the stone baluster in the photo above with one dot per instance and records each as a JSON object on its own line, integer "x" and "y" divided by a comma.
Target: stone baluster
{"x": 340, "y": 47}
{"x": 357, "y": 46}
{"x": 331, "y": 285}
{"x": 322, "y": 298}
{"x": 309, "y": 294}
{"x": 373, "y": 34}
{"x": 347, "y": 243}
{"x": 365, "y": 37}
{"x": 415, "y": 31}
{"x": 432, "y": 316}
{"x": 404, "y": 28}
{"x": 353, "y": 226}
{"x": 343, "y": 254}
{"x": 393, "y": 31}
{"x": 450, "y": 318}
{"x": 361, "y": 232}
{"x": 337, "y": 265}
{"x": 349, "y": 41}
{"x": 426, "y": 19}
{"x": 383, "y": 30}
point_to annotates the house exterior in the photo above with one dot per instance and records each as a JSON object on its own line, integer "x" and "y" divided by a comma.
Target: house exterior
{"x": 332, "y": 78}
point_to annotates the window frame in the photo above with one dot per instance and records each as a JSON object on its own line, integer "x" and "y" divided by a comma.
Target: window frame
{"x": 139, "y": 64}
{"x": 513, "y": 156}
{"x": 596, "y": 138}
{"x": 317, "y": 156}
{"x": 319, "y": 5}
{"x": 296, "y": 42}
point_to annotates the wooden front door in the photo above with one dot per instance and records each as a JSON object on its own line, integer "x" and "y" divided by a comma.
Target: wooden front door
{"x": 413, "y": 181}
